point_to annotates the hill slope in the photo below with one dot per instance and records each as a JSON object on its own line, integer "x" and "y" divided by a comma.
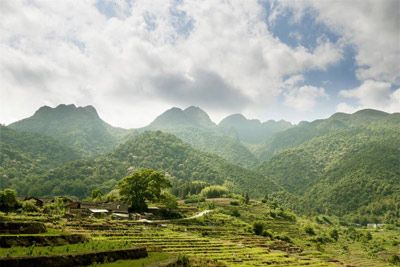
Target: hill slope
{"x": 252, "y": 131}
{"x": 78, "y": 127}
{"x": 348, "y": 170}
{"x": 25, "y": 155}
{"x": 154, "y": 150}
{"x": 194, "y": 126}
{"x": 305, "y": 131}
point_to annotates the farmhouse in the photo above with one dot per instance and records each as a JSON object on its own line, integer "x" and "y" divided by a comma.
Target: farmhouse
{"x": 98, "y": 209}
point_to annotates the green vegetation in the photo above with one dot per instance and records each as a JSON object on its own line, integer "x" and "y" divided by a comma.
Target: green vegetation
{"x": 153, "y": 258}
{"x": 24, "y": 156}
{"x": 252, "y": 131}
{"x": 221, "y": 238}
{"x": 193, "y": 126}
{"x": 214, "y": 191}
{"x": 141, "y": 186}
{"x": 8, "y": 200}
{"x": 338, "y": 175}
{"x": 154, "y": 150}
{"x": 351, "y": 171}
{"x": 77, "y": 127}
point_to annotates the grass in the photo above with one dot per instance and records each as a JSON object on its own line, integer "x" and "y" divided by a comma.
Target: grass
{"x": 90, "y": 246}
{"x": 230, "y": 240}
{"x": 50, "y": 232}
{"x": 154, "y": 257}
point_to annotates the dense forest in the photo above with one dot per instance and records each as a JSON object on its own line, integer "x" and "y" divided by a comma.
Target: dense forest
{"x": 346, "y": 165}
{"x": 77, "y": 127}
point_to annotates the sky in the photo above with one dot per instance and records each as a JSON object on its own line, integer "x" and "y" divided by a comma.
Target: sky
{"x": 132, "y": 60}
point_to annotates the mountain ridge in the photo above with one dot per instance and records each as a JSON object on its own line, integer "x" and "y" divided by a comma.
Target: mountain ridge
{"x": 78, "y": 127}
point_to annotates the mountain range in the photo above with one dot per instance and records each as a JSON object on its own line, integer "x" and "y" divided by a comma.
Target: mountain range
{"x": 347, "y": 164}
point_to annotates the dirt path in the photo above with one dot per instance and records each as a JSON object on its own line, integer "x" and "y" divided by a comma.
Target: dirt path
{"x": 198, "y": 215}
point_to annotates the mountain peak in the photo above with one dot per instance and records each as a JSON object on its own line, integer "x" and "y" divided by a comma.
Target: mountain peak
{"x": 66, "y": 110}
{"x": 80, "y": 127}
{"x": 370, "y": 112}
{"x": 251, "y": 130}
{"x": 199, "y": 116}
{"x": 176, "y": 117}
{"x": 235, "y": 117}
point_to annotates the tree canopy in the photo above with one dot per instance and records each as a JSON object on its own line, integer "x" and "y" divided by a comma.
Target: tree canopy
{"x": 142, "y": 185}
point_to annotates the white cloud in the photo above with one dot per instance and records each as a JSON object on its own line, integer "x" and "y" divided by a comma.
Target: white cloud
{"x": 372, "y": 27}
{"x": 303, "y": 98}
{"x": 149, "y": 55}
{"x": 372, "y": 94}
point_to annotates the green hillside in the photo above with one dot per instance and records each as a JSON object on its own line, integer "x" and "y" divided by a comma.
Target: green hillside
{"x": 194, "y": 126}
{"x": 25, "y": 155}
{"x": 81, "y": 128}
{"x": 305, "y": 131}
{"x": 154, "y": 150}
{"x": 252, "y": 131}
{"x": 354, "y": 169}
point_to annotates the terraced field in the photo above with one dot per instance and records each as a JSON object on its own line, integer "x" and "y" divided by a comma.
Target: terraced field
{"x": 225, "y": 245}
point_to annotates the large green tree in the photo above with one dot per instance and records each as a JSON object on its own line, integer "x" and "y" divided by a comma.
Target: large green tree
{"x": 8, "y": 200}
{"x": 142, "y": 185}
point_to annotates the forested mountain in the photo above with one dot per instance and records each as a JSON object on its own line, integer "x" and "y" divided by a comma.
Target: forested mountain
{"x": 81, "y": 128}
{"x": 252, "y": 131}
{"x": 305, "y": 131}
{"x": 154, "y": 150}
{"x": 24, "y": 156}
{"x": 346, "y": 164}
{"x": 191, "y": 117}
{"x": 194, "y": 126}
{"x": 352, "y": 165}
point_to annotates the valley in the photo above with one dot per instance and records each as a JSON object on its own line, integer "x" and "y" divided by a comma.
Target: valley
{"x": 238, "y": 193}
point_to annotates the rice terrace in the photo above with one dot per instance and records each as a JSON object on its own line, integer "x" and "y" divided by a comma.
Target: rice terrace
{"x": 200, "y": 133}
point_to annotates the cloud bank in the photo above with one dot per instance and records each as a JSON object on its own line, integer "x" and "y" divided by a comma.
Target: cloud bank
{"x": 134, "y": 59}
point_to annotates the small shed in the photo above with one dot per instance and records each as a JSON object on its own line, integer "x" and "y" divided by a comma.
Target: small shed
{"x": 98, "y": 212}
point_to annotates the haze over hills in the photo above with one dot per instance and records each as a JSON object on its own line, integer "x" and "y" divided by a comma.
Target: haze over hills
{"x": 194, "y": 126}
{"x": 78, "y": 127}
{"x": 252, "y": 131}
{"x": 155, "y": 150}
{"x": 345, "y": 164}
{"x": 191, "y": 117}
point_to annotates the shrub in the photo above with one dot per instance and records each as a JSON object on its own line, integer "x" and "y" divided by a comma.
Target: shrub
{"x": 309, "y": 230}
{"x": 235, "y": 213}
{"x": 327, "y": 220}
{"x": 258, "y": 228}
{"x": 56, "y": 207}
{"x": 183, "y": 260}
{"x": 286, "y": 214}
{"x": 194, "y": 199}
{"x": 322, "y": 239}
{"x": 284, "y": 238}
{"x": 214, "y": 191}
{"x": 235, "y": 203}
{"x": 169, "y": 200}
{"x": 394, "y": 259}
{"x": 207, "y": 205}
{"x": 8, "y": 200}
{"x": 29, "y": 206}
{"x": 334, "y": 234}
{"x": 170, "y": 214}
{"x": 267, "y": 233}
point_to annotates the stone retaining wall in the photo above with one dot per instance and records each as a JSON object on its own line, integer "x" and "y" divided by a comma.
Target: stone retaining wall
{"x": 7, "y": 241}
{"x": 22, "y": 228}
{"x": 81, "y": 259}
